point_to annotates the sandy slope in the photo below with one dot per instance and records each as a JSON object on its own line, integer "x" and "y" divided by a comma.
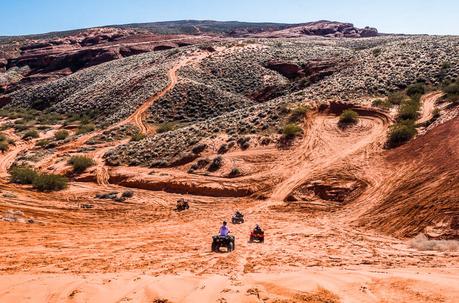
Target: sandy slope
{"x": 351, "y": 285}
{"x": 142, "y": 250}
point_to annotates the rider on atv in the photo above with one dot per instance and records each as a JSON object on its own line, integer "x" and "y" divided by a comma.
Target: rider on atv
{"x": 224, "y": 230}
{"x": 237, "y": 218}
{"x": 257, "y": 235}
{"x": 223, "y": 239}
{"x": 257, "y": 229}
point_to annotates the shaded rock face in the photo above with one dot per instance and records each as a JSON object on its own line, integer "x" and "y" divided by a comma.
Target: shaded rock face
{"x": 337, "y": 29}
{"x": 286, "y": 69}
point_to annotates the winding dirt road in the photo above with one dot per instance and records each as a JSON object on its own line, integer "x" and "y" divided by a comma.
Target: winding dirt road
{"x": 428, "y": 105}
{"x": 324, "y": 145}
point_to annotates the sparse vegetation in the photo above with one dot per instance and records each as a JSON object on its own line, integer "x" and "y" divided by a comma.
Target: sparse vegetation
{"x": 348, "y": 117}
{"x": 385, "y": 104}
{"x": 216, "y": 163}
{"x": 5, "y": 143}
{"x": 61, "y": 135}
{"x": 49, "y": 182}
{"x": 43, "y": 142}
{"x": 80, "y": 163}
{"x": 400, "y": 133}
{"x": 452, "y": 92}
{"x": 298, "y": 114}
{"x": 409, "y": 110}
{"x": 22, "y": 175}
{"x": 396, "y": 98}
{"x": 4, "y": 146}
{"x": 86, "y": 128}
{"x": 377, "y": 52}
{"x": 137, "y": 136}
{"x": 417, "y": 89}
{"x": 235, "y": 172}
{"x": 166, "y": 127}
{"x": 30, "y": 134}
{"x": 291, "y": 130}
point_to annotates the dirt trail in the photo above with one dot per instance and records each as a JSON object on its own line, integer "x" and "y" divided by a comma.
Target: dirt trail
{"x": 324, "y": 145}
{"x": 428, "y": 104}
{"x": 138, "y": 117}
{"x": 8, "y": 158}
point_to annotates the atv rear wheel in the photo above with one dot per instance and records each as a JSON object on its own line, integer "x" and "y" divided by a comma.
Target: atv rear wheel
{"x": 230, "y": 246}
{"x": 214, "y": 247}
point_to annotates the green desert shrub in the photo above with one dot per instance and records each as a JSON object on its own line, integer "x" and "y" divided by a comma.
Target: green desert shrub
{"x": 417, "y": 89}
{"x": 235, "y": 172}
{"x": 49, "y": 182}
{"x": 43, "y": 142}
{"x": 381, "y": 103}
{"x": 86, "y": 128}
{"x": 396, "y": 98}
{"x": 400, "y": 133}
{"x": 61, "y": 135}
{"x": 22, "y": 175}
{"x": 348, "y": 117}
{"x": 137, "y": 136}
{"x": 452, "y": 92}
{"x": 30, "y": 134}
{"x": 166, "y": 127}
{"x": 298, "y": 113}
{"x": 377, "y": 52}
{"x": 4, "y": 146}
{"x": 80, "y": 163}
{"x": 291, "y": 130}
{"x": 409, "y": 110}
{"x": 216, "y": 163}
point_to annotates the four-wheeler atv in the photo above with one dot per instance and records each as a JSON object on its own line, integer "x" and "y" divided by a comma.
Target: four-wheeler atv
{"x": 182, "y": 204}
{"x": 257, "y": 235}
{"x": 238, "y": 218}
{"x": 223, "y": 241}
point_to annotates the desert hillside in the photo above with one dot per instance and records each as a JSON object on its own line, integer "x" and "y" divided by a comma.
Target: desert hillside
{"x": 342, "y": 144}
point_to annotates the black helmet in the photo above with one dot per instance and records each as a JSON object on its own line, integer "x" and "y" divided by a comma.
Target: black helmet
{"x": 224, "y": 223}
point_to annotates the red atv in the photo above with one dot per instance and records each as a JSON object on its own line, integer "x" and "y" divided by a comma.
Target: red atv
{"x": 257, "y": 235}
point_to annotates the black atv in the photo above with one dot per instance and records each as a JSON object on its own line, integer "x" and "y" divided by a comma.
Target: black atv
{"x": 237, "y": 219}
{"x": 182, "y": 205}
{"x": 223, "y": 241}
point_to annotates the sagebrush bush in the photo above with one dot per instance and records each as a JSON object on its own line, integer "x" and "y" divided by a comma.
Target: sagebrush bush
{"x": 43, "y": 142}
{"x": 80, "y": 163}
{"x": 4, "y": 146}
{"x": 298, "y": 113}
{"x": 217, "y": 162}
{"x": 381, "y": 103}
{"x": 30, "y": 134}
{"x": 86, "y": 128}
{"x": 22, "y": 175}
{"x": 348, "y": 117}
{"x": 416, "y": 89}
{"x": 396, "y": 98}
{"x": 235, "y": 172}
{"x": 61, "y": 135}
{"x": 291, "y": 130}
{"x": 137, "y": 136}
{"x": 49, "y": 182}
{"x": 400, "y": 133}
{"x": 166, "y": 127}
{"x": 409, "y": 110}
{"x": 452, "y": 92}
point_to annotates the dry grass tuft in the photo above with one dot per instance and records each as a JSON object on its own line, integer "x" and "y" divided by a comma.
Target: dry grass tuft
{"x": 421, "y": 242}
